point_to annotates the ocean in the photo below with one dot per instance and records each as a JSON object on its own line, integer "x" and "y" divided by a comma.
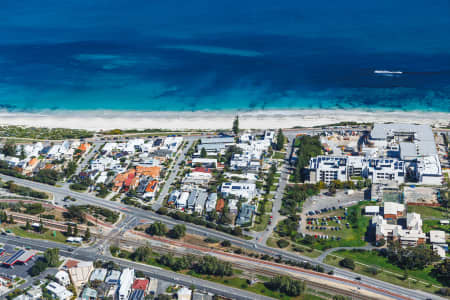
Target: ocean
{"x": 230, "y": 55}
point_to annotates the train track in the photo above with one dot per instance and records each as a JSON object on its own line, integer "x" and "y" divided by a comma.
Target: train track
{"x": 252, "y": 269}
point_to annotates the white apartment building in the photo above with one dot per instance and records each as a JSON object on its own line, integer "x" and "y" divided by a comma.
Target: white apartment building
{"x": 328, "y": 168}
{"x": 342, "y": 168}
{"x": 239, "y": 190}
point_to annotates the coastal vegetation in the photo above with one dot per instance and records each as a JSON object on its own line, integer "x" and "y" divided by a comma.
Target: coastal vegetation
{"x": 42, "y": 133}
{"x": 307, "y": 147}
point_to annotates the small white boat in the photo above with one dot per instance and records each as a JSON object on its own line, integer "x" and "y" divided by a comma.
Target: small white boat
{"x": 387, "y": 72}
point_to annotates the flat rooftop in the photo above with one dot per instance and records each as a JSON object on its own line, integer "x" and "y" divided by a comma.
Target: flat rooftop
{"x": 21, "y": 256}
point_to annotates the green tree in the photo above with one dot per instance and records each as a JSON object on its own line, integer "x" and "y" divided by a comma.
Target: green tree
{"x": 22, "y": 154}
{"x": 87, "y": 234}
{"x": 442, "y": 272}
{"x": 236, "y": 125}
{"x": 41, "y": 227}
{"x": 71, "y": 169}
{"x": 225, "y": 243}
{"x": 280, "y": 140}
{"x": 286, "y": 285}
{"x": 178, "y": 231}
{"x": 27, "y": 225}
{"x": 9, "y": 149}
{"x": 157, "y": 228}
{"x": 75, "y": 230}
{"x": 51, "y": 257}
{"x": 347, "y": 263}
{"x": 69, "y": 231}
{"x": 203, "y": 153}
{"x": 142, "y": 254}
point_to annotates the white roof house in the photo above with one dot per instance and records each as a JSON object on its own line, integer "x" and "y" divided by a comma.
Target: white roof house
{"x": 413, "y": 221}
{"x": 182, "y": 200}
{"x": 238, "y": 189}
{"x": 63, "y": 277}
{"x": 98, "y": 275}
{"x": 58, "y": 291}
{"x": 439, "y": 250}
{"x": 184, "y": 294}
{"x": 126, "y": 280}
{"x": 393, "y": 208}
{"x": 437, "y": 237}
{"x": 372, "y": 209}
{"x": 113, "y": 277}
{"x": 211, "y": 202}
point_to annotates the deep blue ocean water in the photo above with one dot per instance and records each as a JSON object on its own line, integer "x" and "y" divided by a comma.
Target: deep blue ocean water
{"x": 224, "y": 55}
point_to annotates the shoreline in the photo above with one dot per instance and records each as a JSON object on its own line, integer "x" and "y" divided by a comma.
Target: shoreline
{"x": 258, "y": 119}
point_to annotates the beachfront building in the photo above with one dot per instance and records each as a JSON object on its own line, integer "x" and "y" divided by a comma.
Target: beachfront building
{"x": 215, "y": 145}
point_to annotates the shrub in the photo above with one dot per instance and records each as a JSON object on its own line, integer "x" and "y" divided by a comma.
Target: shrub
{"x": 282, "y": 243}
{"x": 347, "y": 263}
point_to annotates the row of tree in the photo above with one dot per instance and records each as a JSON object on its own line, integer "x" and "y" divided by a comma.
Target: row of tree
{"x": 286, "y": 285}
{"x": 207, "y": 265}
{"x": 412, "y": 258}
{"x": 160, "y": 229}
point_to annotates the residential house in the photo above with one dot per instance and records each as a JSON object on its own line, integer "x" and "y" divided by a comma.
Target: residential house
{"x": 58, "y": 291}
{"x": 151, "y": 189}
{"x": 89, "y": 294}
{"x": 245, "y": 214}
{"x": 62, "y": 277}
{"x": 126, "y": 281}
{"x": 239, "y": 190}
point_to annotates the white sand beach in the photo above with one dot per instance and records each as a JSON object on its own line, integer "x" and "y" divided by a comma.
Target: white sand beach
{"x": 104, "y": 120}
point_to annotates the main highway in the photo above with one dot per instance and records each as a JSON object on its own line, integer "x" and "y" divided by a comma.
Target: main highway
{"x": 83, "y": 198}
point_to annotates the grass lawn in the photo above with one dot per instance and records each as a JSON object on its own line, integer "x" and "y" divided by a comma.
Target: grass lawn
{"x": 278, "y": 155}
{"x": 47, "y": 235}
{"x": 301, "y": 249}
{"x": 241, "y": 283}
{"x": 434, "y": 225}
{"x": 371, "y": 259}
{"x": 268, "y": 206}
{"x": 429, "y": 212}
{"x": 261, "y": 223}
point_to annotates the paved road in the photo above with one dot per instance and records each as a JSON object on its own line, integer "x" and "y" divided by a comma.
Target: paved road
{"x": 276, "y": 217}
{"x": 326, "y": 252}
{"x": 203, "y": 231}
{"x": 154, "y": 272}
{"x": 173, "y": 175}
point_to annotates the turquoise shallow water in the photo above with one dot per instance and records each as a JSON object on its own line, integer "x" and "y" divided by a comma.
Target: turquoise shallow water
{"x": 203, "y": 55}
